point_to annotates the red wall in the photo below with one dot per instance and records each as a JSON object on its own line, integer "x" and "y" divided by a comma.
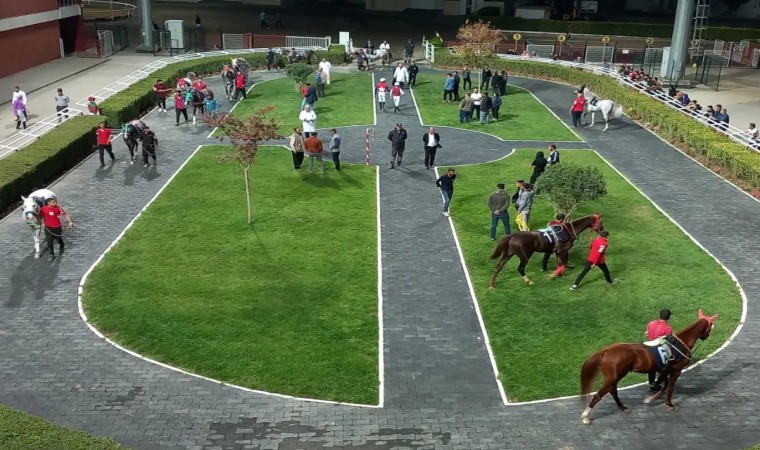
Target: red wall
{"x": 13, "y": 8}
{"x": 28, "y": 47}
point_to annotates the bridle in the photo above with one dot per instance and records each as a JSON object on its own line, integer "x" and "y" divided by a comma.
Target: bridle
{"x": 596, "y": 226}
{"x": 34, "y": 211}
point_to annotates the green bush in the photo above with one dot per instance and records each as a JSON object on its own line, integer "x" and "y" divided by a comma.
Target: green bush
{"x": 436, "y": 41}
{"x": 677, "y": 128}
{"x": 49, "y": 156}
{"x": 336, "y": 54}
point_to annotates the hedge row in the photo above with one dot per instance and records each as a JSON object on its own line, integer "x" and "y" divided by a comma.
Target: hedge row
{"x": 51, "y": 155}
{"x": 659, "y": 30}
{"x": 677, "y": 128}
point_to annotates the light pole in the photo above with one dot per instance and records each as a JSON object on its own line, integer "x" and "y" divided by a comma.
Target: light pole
{"x": 674, "y": 58}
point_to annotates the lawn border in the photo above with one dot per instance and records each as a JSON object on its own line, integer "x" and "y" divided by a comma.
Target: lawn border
{"x": 725, "y": 344}
{"x": 83, "y": 315}
{"x": 419, "y": 116}
{"x": 211, "y": 135}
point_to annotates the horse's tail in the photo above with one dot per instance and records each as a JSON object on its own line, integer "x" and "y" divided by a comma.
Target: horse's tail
{"x": 589, "y": 371}
{"x": 501, "y": 247}
{"x": 617, "y": 110}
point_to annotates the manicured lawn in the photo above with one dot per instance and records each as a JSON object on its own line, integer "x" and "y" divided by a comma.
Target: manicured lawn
{"x": 347, "y": 101}
{"x": 287, "y": 305}
{"x": 541, "y": 334}
{"x": 521, "y": 116}
{"x": 21, "y": 431}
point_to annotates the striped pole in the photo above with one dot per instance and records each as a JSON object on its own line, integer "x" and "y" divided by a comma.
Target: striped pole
{"x": 367, "y": 133}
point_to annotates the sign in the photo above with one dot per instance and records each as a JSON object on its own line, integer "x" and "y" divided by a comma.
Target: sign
{"x": 626, "y": 51}
{"x": 695, "y": 42}
{"x": 516, "y": 36}
{"x": 562, "y": 38}
{"x": 650, "y": 41}
{"x": 605, "y": 39}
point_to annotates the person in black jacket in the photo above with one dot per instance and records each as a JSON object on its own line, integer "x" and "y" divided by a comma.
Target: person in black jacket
{"x": 397, "y": 136}
{"x": 446, "y": 184}
{"x": 539, "y": 166}
{"x": 457, "y": 81}
{"x": 149, "y": 143}
{"x": 432, "y": 142}
{"x": 518, "y": 186}
{"x": 503, "y": 83}
{"x": 413, "y": 71}
{"x": 495, "y": 81}
{"x": 485, "y": 78}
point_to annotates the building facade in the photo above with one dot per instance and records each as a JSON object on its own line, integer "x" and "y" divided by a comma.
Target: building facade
{"x": 33, "y": 32}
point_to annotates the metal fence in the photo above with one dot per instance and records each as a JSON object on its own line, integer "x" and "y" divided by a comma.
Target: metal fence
{"x": 599, "y": 53}
{"x": 105, "y": 37}
{"x": 309, "y": 42}
{"x": 26, "y": 137}
{"x": 541, "y": 50}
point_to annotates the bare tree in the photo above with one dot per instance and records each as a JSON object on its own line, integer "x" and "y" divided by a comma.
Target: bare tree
{"x": 477, "y": 43}
{"x": 244, "y": 134}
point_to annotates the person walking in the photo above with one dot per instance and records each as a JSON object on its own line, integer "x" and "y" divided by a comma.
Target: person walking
{"x": 432, "y": 142}
{"x": 325, "y": 65}
{"x": 381, "y": 89}
{"x": 457, "y": 82}
{"x": 308, "y": 120}
{"x": 313, "y": 147}
{"x": 657, "y": 329}
{"x": 335, "y": 148}
{"x": 309, "y": 96}
{"x": 321, "y": 78}
{"x": 466, "y": 78}
{"x": 159, "y": 95}
{"x": 297, "y": 147}
{"x": 465, "y": 109}
{"x": 271, "y": 55}
{"x": 446, "y": 184}
{"x": 19, "y": 111}
{"x": 396, "y": 93}
{"x": 413, "y": 70}
{"x": 397, "y": 136}
{"x": 180, "y": 107}
{"x": 524, "y": 206}
{"x": 553, "y": 155}
{"x": 240, "y": 85}
{"x": 448, "y": 88}
{"x": 495, "y": 105}
{"x": 485, "y": 108}
{"x": 104, "y": 138}
{"x": 51, "y": 214}
{"x": 577, "y": 109}
{"x": 400, "y": 75}
{"x": 485, "y": 78}
{"x": 149, "y": 144}
{"x": 18, "y": 94}
{"x": 539, "y": 167}
{"x": 408, "y": 51}
{"x": 596, "y": 257}
{"x": 61, "y": 104}
{"x": 503, "y": 83}
{"x": 498, "y": 203}
{"x": 210, "y": 105}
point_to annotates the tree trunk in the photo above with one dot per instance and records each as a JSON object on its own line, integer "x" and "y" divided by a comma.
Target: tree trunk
{"x": 248, "y": 194}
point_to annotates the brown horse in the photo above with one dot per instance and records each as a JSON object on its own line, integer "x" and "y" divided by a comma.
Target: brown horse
{"x": 525, "y": 243}
{"x": 617, "y": 360}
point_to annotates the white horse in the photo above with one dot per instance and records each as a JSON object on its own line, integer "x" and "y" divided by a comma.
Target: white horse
{"x": 31, "y": 214}
{"x": 608, "y": 108}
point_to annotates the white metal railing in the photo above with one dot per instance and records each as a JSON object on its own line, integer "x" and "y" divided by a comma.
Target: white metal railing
{"x": 735, "y": 134}
{"x": 429, "y": 50}
{"x": 114, "y": 9}
{"x": 26, "y": 137}
{"x": 309, "y": 42}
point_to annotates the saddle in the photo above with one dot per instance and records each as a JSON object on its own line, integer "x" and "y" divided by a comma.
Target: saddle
{"x": 594, "y": 101}
{"x": 662, "y": 350}
{"x": 554, "y": 234}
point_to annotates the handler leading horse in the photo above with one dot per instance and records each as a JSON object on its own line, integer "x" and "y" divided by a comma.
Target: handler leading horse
{"x": 608, "y": 108}
{"x": 617, "y": 360}
{"x": 525, "y": 243}
{"x": 31, "y": 214}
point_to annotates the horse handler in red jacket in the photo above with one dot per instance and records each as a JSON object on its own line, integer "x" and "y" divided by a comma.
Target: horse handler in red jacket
{"x": 596, "y": 258}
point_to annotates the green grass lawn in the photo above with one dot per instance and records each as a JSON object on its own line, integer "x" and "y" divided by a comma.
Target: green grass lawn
{"x": 522, "y": 117}
{"x": 287, "y": 305}
{"x": 22, "y": 431}
{"x": 347, "y": 101}
{"x": 541, "y": 334}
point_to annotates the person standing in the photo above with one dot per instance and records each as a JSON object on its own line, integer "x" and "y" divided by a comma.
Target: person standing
{"x": 559, "y": 220}
{"x": 485, "y": 77}
{"x": 396, "y": 93}
{"x": 397, "y": 136}
{"x": 210, "y": 105}
{"x": 400, "y": 75}
{"x": 263, "y": 20}
{"x": 465, "y": 109}
{"x": 413, "y": 71}
{"x": 524, "y": 206}
{"x": 457, "y": 81}
{"x": 577, "y": 108}
{"x": 466, "y": 78}
{"x": 495, "y": 81}
{"x": 308, "y": 120}
{"x": 495, "y": 105}
{"x": 180, "y": 107}
{"x": 321, "y": 78}
{"x": 752, "y": 134}
{"x": 159, "y": 95}
{"x": 104, "y": 138}
{"x": 498, "y": 203}
{"x": 553, "y": 155}
{"x": 310, "y": 96}
{"x": 485, "y": 108}
{"x": 446, "y": 184}
{"x": 297, "y": 147}
{"x": 432, "y": 142}
{"x": 448, "y": 88}
{"x": 197, "y": 22}
{"x": 278, "y": 22}
{"x": 596, "y": 257}
{"x": 149, "y": 143}
{"x": 408, "y": 51}
{"x": 657, "y": 329}
{"x": 18, "y": 94}
{"x": 381, "y": 89}
{"x": 516, "y": 195}
{"x": 539, "y": 167}
{"x": 477, "y": 98}
{"x": 503, "y": 83}
{"x": 313, "y": 147}
{"x": 92, "y": 106}
{"x": 61, "y": 104}
{"x": 271, "y": 55}
{"x": 335, "y": 148}
{"x": 51, "y": 214}
{"x": 325, "y": 65}
{"x": 240, "y": 85}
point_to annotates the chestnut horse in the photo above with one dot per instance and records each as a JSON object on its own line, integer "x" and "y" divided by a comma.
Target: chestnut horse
{"x": 525, "y": 243}
{"x": 617, "y": 360}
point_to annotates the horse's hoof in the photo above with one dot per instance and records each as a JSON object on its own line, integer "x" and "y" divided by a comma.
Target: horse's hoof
{"x": 36, "y": 256}
{"x": 626, "y": 410}
{"x": 490, "y": 287}
{"x": 673, "y": 407}
{"x": 530, "y": 283}
{"x": 586, "y": 421}
{"x": 649, "y": 399}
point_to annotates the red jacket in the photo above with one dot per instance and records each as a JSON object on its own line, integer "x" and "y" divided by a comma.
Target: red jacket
{"x": 596, "y": 253}
{"x": 240, "y": 81}
{"x": 658, "y": 328}
{"x": 579, "y": 103}
{"x": 396, "y": 91}
{"x": 50, "y": 216}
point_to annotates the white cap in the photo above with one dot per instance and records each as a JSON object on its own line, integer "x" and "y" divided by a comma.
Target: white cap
{"x": 382, "y": 79}
{"x": 398, "y": 84}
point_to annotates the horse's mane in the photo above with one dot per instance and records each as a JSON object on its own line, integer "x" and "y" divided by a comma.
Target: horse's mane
{"x": 691, "y": 326}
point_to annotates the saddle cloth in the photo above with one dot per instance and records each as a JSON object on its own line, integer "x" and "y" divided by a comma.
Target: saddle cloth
{"x": 661, "y": 351}
{"x": 554, "y": 234}
{"x": 594, "y": 101}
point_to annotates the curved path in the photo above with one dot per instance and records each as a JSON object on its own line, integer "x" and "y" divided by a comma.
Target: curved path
{"x": 440, "y": 390}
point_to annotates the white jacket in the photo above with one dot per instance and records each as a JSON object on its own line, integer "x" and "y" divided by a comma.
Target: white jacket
{"x": 401, "y": 75}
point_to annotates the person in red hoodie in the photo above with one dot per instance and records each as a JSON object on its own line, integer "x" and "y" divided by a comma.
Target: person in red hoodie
{"x": 239, "y": 85}
{"x": 577, "y": 109}
{"x": 104, "y": 138}
{"x": 596, "y": 258}
{"x": 180, "y": 108}
{"x": 50, "y": 214}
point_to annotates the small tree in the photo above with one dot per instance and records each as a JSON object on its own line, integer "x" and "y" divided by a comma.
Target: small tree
{"x": 245, "y": 134}
{"x": 299, "y": 72}
{"x": 566, "y": 186}
{"x": 477, "y": 44}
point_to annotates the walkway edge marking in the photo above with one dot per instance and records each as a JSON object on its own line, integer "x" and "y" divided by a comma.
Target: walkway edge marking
{"x": 380, "y": 322}
{"x": 95, "y": 331}
{"x": 698, "y": 244}
{"x": 475, "y": 303}
{"x": 552, "y": 112}
{"x": 211, "y": 135}
{"x": 417, "y": 108}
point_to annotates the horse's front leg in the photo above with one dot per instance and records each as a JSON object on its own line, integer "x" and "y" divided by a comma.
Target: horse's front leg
{"x": 671, "y": 386}
{"x": 521, "y": 270}
{"x": 606, "y": 121}
{"x": 36, "y": 235}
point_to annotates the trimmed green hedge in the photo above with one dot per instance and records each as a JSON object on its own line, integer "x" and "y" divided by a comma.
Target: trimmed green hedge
{"x": 660, "y": 30}
{"x": 679, "y": 129}
{"x": 336, "y": 54}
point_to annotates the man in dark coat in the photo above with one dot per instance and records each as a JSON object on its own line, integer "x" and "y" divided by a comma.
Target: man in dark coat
{"x": 413, "y": 71}
{"x": 457, "y": 81}
{"x": 397, "y": 136}
{"x": 432, "y": 142}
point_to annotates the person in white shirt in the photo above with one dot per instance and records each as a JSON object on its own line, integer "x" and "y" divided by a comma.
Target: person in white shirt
{"x": 476, "y": 97}
{"x": 400, "y": 75}
{"x": 308, "y": 120}
{"x": 61, "y": 104}
{"x": 385, "y": 48}
{"x": 752, "y": 133}
{"x": 325, "y": 65}
{"x": 17, "y": 92}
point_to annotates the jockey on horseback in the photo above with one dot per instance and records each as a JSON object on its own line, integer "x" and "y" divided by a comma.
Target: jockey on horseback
{"x": 558, "y": 221}
{"x": 657, "y": 329}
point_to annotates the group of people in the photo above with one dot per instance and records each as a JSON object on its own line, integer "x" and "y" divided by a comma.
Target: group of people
{"x": 304, "y": 143}
{"x": 479, "y": 106}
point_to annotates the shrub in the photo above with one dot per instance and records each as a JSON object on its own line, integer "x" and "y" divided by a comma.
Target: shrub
{"x": 677, "y": 128}
{"x": 436, "y": 41}
{"x": 336, "y": 54}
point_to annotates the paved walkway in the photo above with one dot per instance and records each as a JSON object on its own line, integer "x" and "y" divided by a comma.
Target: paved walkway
{"x": 440, "y": 389}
